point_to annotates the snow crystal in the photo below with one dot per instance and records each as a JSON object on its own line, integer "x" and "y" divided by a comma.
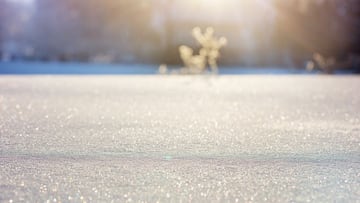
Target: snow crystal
{"x": 179, "y": 138}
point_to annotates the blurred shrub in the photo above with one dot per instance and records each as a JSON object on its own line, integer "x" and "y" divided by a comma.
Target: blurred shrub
{"x": 208, "y": 54}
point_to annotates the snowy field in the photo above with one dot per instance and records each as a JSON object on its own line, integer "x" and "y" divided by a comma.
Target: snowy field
{"x": 71, "y": 68}
{"x": 180, "y": 138}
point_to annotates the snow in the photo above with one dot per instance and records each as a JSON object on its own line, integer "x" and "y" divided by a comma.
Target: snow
{"x": 180, "y": 138}
{"x": 73, "y": 68}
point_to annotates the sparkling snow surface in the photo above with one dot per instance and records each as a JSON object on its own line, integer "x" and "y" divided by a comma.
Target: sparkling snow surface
{"x": 180, "y": 138}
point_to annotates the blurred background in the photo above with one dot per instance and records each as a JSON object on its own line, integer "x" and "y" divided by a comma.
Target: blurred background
{"x": 261, "y": 33}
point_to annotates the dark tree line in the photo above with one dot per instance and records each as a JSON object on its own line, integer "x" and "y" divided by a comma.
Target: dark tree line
{"x": 330, "y": 28}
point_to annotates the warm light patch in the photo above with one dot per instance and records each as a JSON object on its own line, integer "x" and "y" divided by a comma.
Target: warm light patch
{"x": 220, "y": 11}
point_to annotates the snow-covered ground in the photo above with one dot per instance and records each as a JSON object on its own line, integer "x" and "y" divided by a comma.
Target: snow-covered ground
{"x": 57, "y": 68}
{"x": 180, "y": 138}
{"x": 71, "y": 68}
